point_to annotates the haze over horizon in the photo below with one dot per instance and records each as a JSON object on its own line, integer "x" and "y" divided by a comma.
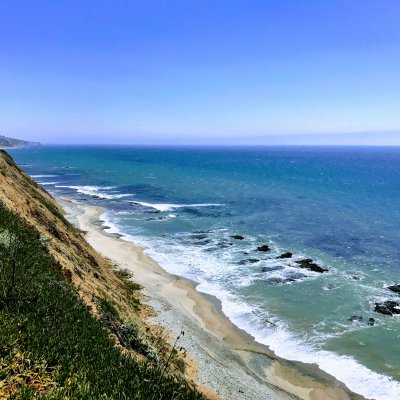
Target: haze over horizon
{"x": 199, "y": 72}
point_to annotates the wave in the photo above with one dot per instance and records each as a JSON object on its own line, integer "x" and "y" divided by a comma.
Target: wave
{"x": 194, "y": 264}
{"x": 357, "y": 377}
{"x": 44, "y": 176}
{"x": 95, "y": 191}
{"x": 170, "y": 207}
{"x": 47, "y": 183}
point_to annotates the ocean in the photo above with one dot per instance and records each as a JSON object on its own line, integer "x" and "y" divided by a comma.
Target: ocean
{"x": 339, "y": 206}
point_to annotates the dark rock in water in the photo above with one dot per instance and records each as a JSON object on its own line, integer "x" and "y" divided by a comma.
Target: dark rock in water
{"x": 269, "y": 269}
{"x": 237, "y": 237}
{"x": 356, "y": 318}
{"x": 285, "y": 255}
{"x": 388, "y": 307}
{"x": 309, "y": 264}
{"x": 264, "y": 247}
{"x": 248, "y": 261}
{"x": 394, "y": 288}
{"x": 355, "y": 277}
{"x": 371, "y": 321}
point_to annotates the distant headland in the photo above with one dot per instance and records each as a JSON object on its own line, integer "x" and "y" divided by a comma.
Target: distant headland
{"x": 6, "y": 142}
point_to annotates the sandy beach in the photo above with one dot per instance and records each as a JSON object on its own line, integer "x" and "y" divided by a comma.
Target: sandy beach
{"x": 230, "y": 364}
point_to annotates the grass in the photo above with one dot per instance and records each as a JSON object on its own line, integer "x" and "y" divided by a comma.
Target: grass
{"x": 51, "y": 346}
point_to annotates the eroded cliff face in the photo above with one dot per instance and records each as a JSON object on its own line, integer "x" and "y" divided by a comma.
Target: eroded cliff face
{"x": 111, "y": 296}
{"x": 92, "y": 275}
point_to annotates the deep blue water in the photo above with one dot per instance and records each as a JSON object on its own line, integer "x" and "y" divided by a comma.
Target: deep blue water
{"x": 338, "y": 206}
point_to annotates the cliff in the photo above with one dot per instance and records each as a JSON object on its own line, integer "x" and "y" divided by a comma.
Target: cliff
{"x": 11, "y": 142}
{"x": 71, "y": 324}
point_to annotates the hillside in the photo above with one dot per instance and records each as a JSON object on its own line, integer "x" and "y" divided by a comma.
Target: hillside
{"x": 71, "y": 325}
{"x": 11, "y": 142}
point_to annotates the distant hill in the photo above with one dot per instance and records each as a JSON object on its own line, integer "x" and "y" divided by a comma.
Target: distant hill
{"x": 11, "y": 142}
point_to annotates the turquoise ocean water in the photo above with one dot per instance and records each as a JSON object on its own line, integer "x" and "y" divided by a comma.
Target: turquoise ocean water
{"x": 338, "y": 206}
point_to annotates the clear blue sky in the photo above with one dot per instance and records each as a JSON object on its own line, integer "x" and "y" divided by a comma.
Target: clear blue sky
{"x": 180, "y": 70}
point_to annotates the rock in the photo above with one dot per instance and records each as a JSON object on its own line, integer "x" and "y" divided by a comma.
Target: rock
{"x": 355, "y": 277}
{"x": 285, "y": 255}
{"x": 371, "y": 321}
{"x": 309, "y": 264}
{"x": 394, "y": 288}
{"x": 264, "y": 247}
{"x": 237, "y": 237}
{"x": 248, "y": 261}
{"x": 356, "y": 318}
{"x": 388, "y": 307}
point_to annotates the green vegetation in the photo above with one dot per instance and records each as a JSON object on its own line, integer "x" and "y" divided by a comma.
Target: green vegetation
{"x": 52, "y": 347}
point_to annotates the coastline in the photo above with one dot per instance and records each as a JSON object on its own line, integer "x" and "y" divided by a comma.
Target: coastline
{"x": 228, "y": 361}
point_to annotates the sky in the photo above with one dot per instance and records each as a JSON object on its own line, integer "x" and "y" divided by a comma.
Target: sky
{"x": 200, "y": 71}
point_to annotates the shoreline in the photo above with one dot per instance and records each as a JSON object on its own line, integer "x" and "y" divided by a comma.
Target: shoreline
{"x": 229, "y": 362}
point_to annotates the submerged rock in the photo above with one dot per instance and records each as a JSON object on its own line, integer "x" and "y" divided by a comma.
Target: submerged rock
{"x": 270, "y": 269}
{"x": 394, "y": 288}
{"x": 309, "y": 264}
{"x": 202, "y": 242}
{"x": 146, "y": 209}
{"x": 356, "y": 318}
{"x": 198, "y": 236}
{"x": 224, "y": 245}
{"x": 388, "y": 307}
{"x": 285, "y": 255}
{"x": 371, "y": 321}
{"x": 248, "y": 261}
{"x": 287, "y": 279}
{"x": 237, "y": 237}
{"x": 264, "y": 247}
{"x": 331, "y": 286}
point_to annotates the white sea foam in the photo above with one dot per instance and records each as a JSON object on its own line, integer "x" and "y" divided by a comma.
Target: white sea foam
{"x": 193, "y": 263}
{"x": 43, "y": 176}
{"x": 110, "y": 226}
{"x": 47, "y": 183}
{"x": 95, "y": 191}
{"x": 170, "y": 207}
